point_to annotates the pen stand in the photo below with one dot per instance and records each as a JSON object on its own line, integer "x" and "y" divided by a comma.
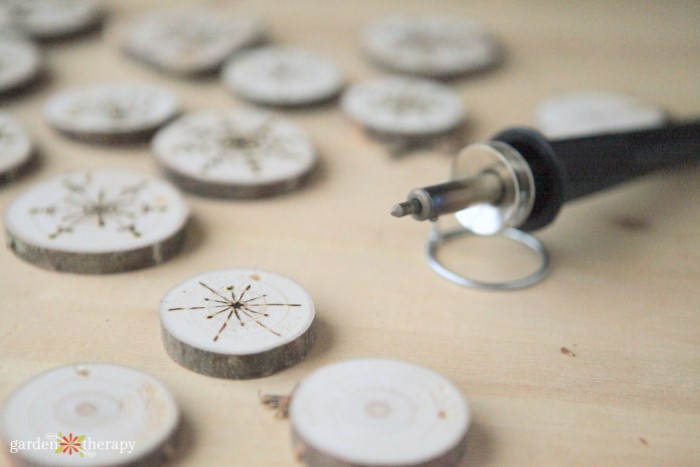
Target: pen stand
{"x": 442, "y": 237}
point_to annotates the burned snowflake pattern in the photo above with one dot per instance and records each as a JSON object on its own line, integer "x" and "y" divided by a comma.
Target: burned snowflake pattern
{"x": 429, "y": 41}
{"x": 189, "y": 40}
{"x": 189, "y": 36}
{"x": 401, "y": 103}
{"x": 85, "y": 203}
{"x": 247, "y": 306}
{"x": 434, "y": 37}
{"x": 226, "y": 142}
{"x": 118, "y": 108}
{"x": 404, "y": 106}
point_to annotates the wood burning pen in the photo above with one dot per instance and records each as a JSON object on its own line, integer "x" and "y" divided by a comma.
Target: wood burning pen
{"x": 520, "y": 180}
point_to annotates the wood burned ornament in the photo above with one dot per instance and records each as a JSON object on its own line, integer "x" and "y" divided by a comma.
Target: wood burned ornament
{"x": 237, "y": 323}
{"x": 54, "y": 19}
{"x": 235, "y": 154}
{"x": 431, "y": 46}
{"x": 378, "y": 412}
{"x": 80, "y": 410}
{"x": 189, "y": 41}
{"x": 20, "y": 64}
{"x": 406, "y": 113}
{"x": 283, "y": 76}
{"x": 586, "y": 113}
{"x": 97, "y": 221}
{"x": 112, "y": 112}
{"x": 16, "y": 148}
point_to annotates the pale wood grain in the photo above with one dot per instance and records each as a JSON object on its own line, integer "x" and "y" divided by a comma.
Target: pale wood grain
{"x": 624, "y": 299}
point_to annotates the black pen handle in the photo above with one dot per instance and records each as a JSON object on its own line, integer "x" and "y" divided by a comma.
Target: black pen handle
{"x": 568, "y": 169}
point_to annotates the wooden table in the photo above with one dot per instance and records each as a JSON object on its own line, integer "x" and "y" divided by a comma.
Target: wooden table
{"x": 597, "y": 365}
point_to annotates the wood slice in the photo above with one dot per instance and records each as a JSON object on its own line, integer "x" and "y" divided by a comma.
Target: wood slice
{"x": 237, "y": 323}
{"x": 16, "y": 148}
{"x": 430, "y": 45}
{"x": 378, "y": 413}
{"x": 20, "y": 64}
{"x": 587, "y": 113}
{"x": 111, "y": 112}
{"x": 408, "y": 107}
{"x": 283, "y": 76}
{"x": 97, "y": 221}
{"x": 235, "y": 154}
{"x": 55, "y": 19}
{"x": 74, "y": 415}
{"x": 188, "y": 41}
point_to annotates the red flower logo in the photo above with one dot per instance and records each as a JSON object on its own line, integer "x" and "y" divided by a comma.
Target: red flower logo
{"x": 70, "y": 444}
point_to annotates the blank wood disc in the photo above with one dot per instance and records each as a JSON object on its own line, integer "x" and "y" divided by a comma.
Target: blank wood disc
{"x": 16, "y": 148}
{"x": 235, "y": 153}
{"x": 593, "y": 112}
{"x": 189, "y": 41}
{"x": 97, "y": 221}
{"x": 20, "y": 64}
{"x": 283, "y": 76}
{"x": 237, "y": 323}
{"x": 430, "y": 45}
{"x": 378, "y": 413}
{"x": 404, "y": 106}
{"x": 79, "y": 411}
{"x": 112, "y": 112}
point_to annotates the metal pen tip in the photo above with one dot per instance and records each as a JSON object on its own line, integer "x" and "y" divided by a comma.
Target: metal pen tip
{"x": 404, "y": 209}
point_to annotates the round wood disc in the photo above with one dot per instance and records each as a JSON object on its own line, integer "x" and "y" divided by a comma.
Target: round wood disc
{"x": 16, "y": 148}
{"x": 53, "y": 19}
{"x": 111, "y": 113}
{"x": 189, "y": 41}
{"x": 283, "y": 76}
{"x": 594, "y": 112}
{"x": 75, "y": 414}
{"x": 97, "y": 221}
{"x": 20, "y": 64}
{"x": 379, "y": 413}
{"x": 430, "y": 46}
{"x": 237, "y": 323}
{"x": 404, "y": 106}
{"x": 235, "y": 153}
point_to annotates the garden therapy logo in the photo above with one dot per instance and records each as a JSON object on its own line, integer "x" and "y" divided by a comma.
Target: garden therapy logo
{"x": 72, "y": 444}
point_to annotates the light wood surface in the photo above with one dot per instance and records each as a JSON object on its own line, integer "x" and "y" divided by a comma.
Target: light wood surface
{"x": 597, "y": 365}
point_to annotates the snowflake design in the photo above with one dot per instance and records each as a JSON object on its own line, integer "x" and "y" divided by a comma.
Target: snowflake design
{"x": 428, "y": 41}
{"x": 246, "y": 310}
{"x": 227, "y": 142}
{"x": 421, "y": 41}
{"x": 116, "y": 107}
{"x": 188, "y": 36}
{"x": 119, "y": 209}
{"x": 403, "y": 103}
